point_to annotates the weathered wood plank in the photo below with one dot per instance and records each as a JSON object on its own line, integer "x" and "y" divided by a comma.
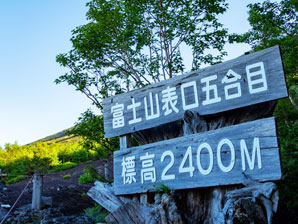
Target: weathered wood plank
{"x": 243, "y": 81}
{"x": 161, "y": 162}
{"x": 103, "y": 194}
{"x": 131, "y": 213}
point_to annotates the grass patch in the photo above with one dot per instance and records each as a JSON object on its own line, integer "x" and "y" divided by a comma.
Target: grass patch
{"x": 65, "y": 166}
{"x": 67, "y": 176}
{"x": 83, "y": 195}
{"x": 89, "y": 176}
{"x": 86, "y": 178}
{"x": 162, "y": 188}
{"x": 15, "y": 180}
{"x": 96, "y": 213}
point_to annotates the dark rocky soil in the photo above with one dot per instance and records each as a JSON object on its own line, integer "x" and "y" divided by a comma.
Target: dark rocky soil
{"x": 70, "y": 198}
{"x": 66, "y": 193}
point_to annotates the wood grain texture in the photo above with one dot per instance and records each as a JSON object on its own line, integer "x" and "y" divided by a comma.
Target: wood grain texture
{"x": 274, "y": 77}
{"x": 131, "y": 213}
{"x": 252, "y": 198}
{"x": 263, "y": 129}
{"x": 103, "y": 194}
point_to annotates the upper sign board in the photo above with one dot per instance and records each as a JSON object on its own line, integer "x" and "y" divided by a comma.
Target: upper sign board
{"x": 243, "y": 81}
{"x": 206, "y": 159}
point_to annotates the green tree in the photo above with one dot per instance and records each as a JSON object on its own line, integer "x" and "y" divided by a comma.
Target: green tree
{"x": 90, "y": 127}
{"x": 129, "y": 44}
{"x": 277, "y": 24}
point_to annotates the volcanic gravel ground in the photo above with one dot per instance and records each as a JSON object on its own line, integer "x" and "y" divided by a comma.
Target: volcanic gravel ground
{"x": 66, "y": 193}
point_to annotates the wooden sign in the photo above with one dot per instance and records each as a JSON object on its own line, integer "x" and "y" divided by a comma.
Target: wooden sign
{"x": 200, "y": 160}
{"x": 246, "y": 80}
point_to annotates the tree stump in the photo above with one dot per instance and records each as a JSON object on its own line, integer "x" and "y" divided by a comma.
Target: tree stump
{"x": 224, "y": 204}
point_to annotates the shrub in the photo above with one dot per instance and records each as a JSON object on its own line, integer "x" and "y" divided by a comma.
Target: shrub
{"x": 83, "y": 195}
{"x": 86, "y": 178}
{"x": 80, "y": 156}
{"x": 48, "y": 156}
{"x": 162, "y": 188}
{"x": 102, "y": 179}
{"x": 15, "y": 180}
{"x": 91, "y": 170}
{"x": 90, "y": 175}
{"x": 92, "y": 154}
{"x": 67, "y": 176}
{"x": 65, "y": 166}
{"x": 97, "y": 213}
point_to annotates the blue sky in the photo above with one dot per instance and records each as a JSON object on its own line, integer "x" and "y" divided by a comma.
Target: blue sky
{"x": 32, "y": 33}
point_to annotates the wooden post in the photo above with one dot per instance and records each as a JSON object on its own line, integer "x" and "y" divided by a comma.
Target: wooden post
{"x": 125, "y": 141}
{"x": 37, "y": 190}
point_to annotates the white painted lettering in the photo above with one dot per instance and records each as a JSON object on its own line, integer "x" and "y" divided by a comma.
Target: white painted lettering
{"x": 255, "y": 78}
{"x": 255, "y": 151}
{"x": 210, "y": 88}
{"x": 118, "y": 118}
{"x": 129, "y": 170}
{"x": 133, "y": 107}
{"x": 230, "y": 77}
{"x": 195, "y": 95}
{"x": 169, "y": 99}
{"x": 210, "y": 167}
{"x": 189, "y": 169}
{"x": 148, "y": 172}
{"x": 164, "y": 175}
{"x": 152, "y": 114}
{"x": 232, "y": 149}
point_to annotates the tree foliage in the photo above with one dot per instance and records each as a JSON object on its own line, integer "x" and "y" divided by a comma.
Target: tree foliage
{"x": 90, "y": 128}
{"x": 18, "y": 160}
{"x": 277, "y": 24}
{"x": 129, "y": 44}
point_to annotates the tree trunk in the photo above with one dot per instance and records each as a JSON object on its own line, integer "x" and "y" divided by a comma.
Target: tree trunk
{"x": 224, "y": 204}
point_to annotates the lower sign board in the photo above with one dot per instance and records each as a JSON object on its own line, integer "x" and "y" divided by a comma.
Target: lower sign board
{"x": 218, "y": 157}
